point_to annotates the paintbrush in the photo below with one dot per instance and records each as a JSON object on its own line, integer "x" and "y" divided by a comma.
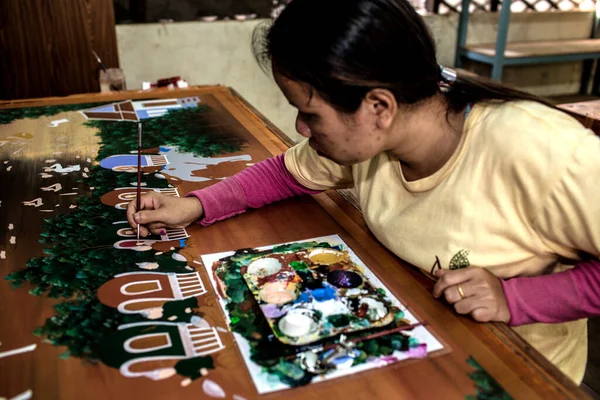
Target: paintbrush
{"x": 361, "y": 338}
{"x": 139, "y": 176}
{"x": 99, "y": 60}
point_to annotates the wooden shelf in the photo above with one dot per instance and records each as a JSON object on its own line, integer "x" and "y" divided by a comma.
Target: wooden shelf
{"x": 539, "y": 48}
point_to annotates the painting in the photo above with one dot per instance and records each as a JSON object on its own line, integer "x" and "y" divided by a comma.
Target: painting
{"x": 280, "y": 299}
{"x": 139, "y": 306}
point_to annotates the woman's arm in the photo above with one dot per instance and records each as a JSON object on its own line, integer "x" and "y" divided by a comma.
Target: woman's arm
{"x": 263, "y": 183}
{"x": 560, "y": 297}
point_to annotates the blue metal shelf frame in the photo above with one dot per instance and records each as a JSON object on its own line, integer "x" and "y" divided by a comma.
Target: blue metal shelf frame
{"x": 498, "y": 61}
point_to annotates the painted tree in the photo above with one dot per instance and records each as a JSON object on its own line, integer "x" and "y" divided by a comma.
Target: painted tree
{"x": 186, "y": 128}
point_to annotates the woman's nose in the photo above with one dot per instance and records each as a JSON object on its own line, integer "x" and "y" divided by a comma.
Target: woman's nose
{"x": 302, "y": 127}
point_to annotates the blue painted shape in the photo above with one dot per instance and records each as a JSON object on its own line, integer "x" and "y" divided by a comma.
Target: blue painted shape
{"x": 182, "y": 243}
{"x": 164, "y": 149}
{"x": 142, "y": 114}
{"x": 327, "y": 293}
{"x": 122, "y": 160}
{"x": 303, "y": 298}
{"x": 108, "y": 108}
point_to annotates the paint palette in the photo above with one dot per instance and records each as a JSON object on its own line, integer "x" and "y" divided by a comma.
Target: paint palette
{"x": 315, "y": 293}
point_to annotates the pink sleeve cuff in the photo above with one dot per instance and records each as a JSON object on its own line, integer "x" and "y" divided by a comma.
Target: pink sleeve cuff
{"x": 220, "y": 201}
{"x": 263, "y": 183}
{"x": 560, "y": 297}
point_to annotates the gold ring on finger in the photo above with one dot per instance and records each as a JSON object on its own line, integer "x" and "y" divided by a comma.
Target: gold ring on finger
{"x": 460, "y": 291}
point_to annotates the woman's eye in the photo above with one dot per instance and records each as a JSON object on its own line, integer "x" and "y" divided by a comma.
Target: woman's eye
{"x": 307, "y": 117}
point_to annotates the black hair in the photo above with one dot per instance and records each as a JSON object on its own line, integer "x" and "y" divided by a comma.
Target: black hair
{"x": 344, "y": 48}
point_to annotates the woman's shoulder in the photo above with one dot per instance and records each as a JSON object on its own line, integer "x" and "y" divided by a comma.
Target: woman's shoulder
{"x": 526, "y": 128}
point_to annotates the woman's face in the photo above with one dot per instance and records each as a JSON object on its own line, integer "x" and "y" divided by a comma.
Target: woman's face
{"x": 343, "y": 138}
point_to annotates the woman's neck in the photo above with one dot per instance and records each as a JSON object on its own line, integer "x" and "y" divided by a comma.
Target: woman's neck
{"x": 427, "y": 136}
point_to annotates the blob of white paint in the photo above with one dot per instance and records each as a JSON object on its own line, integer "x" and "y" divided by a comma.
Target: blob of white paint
{"x": 182, "y": 165}
{"x": 160, "y": 176}
{"x": 35, "y": 202}
{"x": 45, "y": 175}
{"x": 5, "y": 162}
{"x": 148, "y": 265}
{"x": 178, "y": 257}
{"x": 92, "y": 188}
{"x": 88, "y": 160}
{"x": 199, "y": 322}
{"x": 264, "y": 267}
{"x": 238, "y": 397}
{"x": 85, "y": 175}
{"x": 20, "y": 350}
{"x": 186, "y": 382}
{"x": 158, "y": 253}
{"x": 9, "y": 168}
{"x": 164, "y": 373}
{"x": 86, "y": 169}
{"x": 55, "y": 123}
{"x": 212, "y": 389}
{"x": 221, "y": 329}
{"x": 172, "y": 318}
{"x": 11, "y": 227}
{"x": 50, "y": 161}
{"x": 60, "y": 169}
{"x": 153, "y": 313}
{"x": 13, "y": 240}
{"x": 3, "y": 255}
{"x": 172, "y": 248}
{"x": 189, "y": 268}
{"x": 72, "y": 206}
{"x": 197, "y": 262}
{"x": 188, "y": 310}
{"x": 52, "y": 188}
{"x": 26, "y": 395}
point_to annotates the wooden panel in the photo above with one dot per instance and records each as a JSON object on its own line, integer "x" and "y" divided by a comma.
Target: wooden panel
{"x": 46, "y": 46}
{"x": 520, "y": 370}
{"x": 540, "y": 48}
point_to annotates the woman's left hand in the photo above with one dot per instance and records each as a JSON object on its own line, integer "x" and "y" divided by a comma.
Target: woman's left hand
{"x": 474, "y": 291}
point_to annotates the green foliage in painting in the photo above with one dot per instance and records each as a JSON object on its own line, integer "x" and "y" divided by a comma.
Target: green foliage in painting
{"x": 80, "y": 324}
{"x": 460, "y": 260}
{"x": 186, "y": 128}
{"x": 9, "y": 115}
{"x": 78, "y": 259}
{"x": 487, "y": 387}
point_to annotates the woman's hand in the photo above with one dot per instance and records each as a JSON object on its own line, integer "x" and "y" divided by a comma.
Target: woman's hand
{"x": 474, "y": 291}
{"x": 158, "y": 211}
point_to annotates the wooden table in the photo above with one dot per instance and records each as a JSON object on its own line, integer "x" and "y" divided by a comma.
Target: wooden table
{"x": 587, "y": 112}
{"x": 29, "y": 146}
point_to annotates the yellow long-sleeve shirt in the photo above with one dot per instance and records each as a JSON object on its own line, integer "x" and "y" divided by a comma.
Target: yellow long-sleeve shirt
{"x": 520, "y": 194}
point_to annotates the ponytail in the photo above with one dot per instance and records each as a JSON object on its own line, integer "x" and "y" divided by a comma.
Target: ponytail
{"x": 468, "y": 88}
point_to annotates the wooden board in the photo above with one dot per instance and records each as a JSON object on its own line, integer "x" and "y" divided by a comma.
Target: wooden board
{"x": 540, "y": 48}
{"x": 39, "y": 142}
{"x": 46, "y": 46}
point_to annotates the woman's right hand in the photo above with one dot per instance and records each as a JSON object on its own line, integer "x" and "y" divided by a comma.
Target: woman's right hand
{"x": 158, "y": 212}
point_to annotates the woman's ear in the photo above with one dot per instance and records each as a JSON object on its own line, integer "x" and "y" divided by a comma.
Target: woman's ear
{"x": 382, "y": 105}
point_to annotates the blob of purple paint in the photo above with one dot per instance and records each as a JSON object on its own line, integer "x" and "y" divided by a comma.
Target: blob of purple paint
{"x": 344, "y": 279}
{"x": 272, "y": 311}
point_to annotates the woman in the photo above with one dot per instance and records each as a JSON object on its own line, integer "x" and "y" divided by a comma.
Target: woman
{"x": 446, "y": 167}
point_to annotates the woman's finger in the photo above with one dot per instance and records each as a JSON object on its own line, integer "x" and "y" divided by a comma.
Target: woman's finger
{"x": 451, "y": 278}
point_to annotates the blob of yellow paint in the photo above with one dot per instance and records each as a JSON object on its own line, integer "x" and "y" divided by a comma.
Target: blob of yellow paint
{"x": 278, "y": 292}
{"x": 325, "y": 256}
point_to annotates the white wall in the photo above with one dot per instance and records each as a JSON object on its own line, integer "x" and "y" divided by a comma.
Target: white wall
{"x": 220, "y": 53}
